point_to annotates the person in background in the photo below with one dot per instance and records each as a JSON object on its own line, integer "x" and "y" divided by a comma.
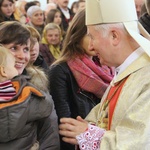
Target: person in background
{"x": 49, "y": 7}
{"x": 20, "y": 12}
{"x": 67, "y": 15}
{"x": 79, "y": 82}
{"x": 138, "y": 5}
{"x": 81, "y": 4}
{"x": 7, "y": 10}
{"x": 145, "y": 18}
{"x": 121, "y": 120}
{"x": 27, "y": 6}
{"x": 36, "y": 18}
{"x": 50, "y": 46}
{"x": 77, "y": 5}
{"x": 35, "y": 57}
{"x": 74, "y": 7}
{"x": 54, "y": 16}
{"x": 37, "y": 3}
{"x": 36, "y": 122}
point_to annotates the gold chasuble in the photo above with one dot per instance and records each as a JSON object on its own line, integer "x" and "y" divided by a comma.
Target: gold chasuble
{"x": 125, "y": 116}
{"x": 109, "y": 104}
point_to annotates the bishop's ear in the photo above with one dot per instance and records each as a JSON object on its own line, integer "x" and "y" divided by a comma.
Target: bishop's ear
{"x": 115, "y": 37}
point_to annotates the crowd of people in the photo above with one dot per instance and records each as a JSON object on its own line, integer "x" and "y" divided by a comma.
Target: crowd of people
{"x": 74, "y": 78}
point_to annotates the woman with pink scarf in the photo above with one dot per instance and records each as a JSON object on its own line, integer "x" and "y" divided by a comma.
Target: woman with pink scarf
{"x": 78, "y": 80}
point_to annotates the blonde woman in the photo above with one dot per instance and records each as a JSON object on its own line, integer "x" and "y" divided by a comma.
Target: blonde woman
{"x": 51, "y": 43}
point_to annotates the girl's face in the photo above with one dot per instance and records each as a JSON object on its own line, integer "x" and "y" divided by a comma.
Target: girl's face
{"x": 21, "y": 54}
{"x": 57, "y": 18}
{"x": 53, "y": 36}
{"x": 7, "y": 8}
{"x": 10, "y": 69}
{"x": 37, "y": 18}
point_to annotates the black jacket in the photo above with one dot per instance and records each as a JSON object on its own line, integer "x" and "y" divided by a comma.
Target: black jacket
{"x": 4, "y": 18}
{"x": 40, "y": 62}
{"x": 69, "y": 99}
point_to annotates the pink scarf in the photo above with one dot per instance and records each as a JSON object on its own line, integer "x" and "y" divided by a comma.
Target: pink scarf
{"x": 89, "y": 76}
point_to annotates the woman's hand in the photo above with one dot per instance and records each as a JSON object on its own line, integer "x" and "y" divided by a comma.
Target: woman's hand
{"x": 70, "y": 128}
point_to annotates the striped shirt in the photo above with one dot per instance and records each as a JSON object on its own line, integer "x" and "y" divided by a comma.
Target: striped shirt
{"x": 7, "y": 91}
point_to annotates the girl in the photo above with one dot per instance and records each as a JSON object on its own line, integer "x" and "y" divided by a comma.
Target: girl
{"x": 6, "y": 10}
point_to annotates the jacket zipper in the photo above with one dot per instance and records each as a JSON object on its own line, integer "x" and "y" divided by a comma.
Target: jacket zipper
{"x": 87, "y": 97}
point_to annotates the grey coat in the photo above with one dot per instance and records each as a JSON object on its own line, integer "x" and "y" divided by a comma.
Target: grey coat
{"x": 28, "y": 117}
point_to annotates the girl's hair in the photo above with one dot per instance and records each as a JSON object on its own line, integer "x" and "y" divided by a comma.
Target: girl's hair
{"x": 35, "y": 36}
{"x": 37, "y": 3}
{"x": 51, "y": 15}
{"x": 13, "y": 32}
{"x": 19, "y": 4}
{"x": 72, "y": 42}
{"x": 50, "y": 19}
{"x": 29, "y": 4}
{"x": 34, "y": 33}
{"x": 1, "y": 2}
{"x": 74, "y": 4}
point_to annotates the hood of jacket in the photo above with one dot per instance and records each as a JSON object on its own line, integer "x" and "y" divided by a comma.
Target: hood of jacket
{"x": 18, "y": 115}
{"x": 38, "y": 77}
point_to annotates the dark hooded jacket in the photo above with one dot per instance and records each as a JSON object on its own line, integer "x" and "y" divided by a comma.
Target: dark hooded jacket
{"x": 29, "y": 117}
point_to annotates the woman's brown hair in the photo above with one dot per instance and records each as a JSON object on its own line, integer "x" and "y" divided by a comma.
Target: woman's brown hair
{"x": 13, "y": 32}
{"x": 72, "y": 42}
